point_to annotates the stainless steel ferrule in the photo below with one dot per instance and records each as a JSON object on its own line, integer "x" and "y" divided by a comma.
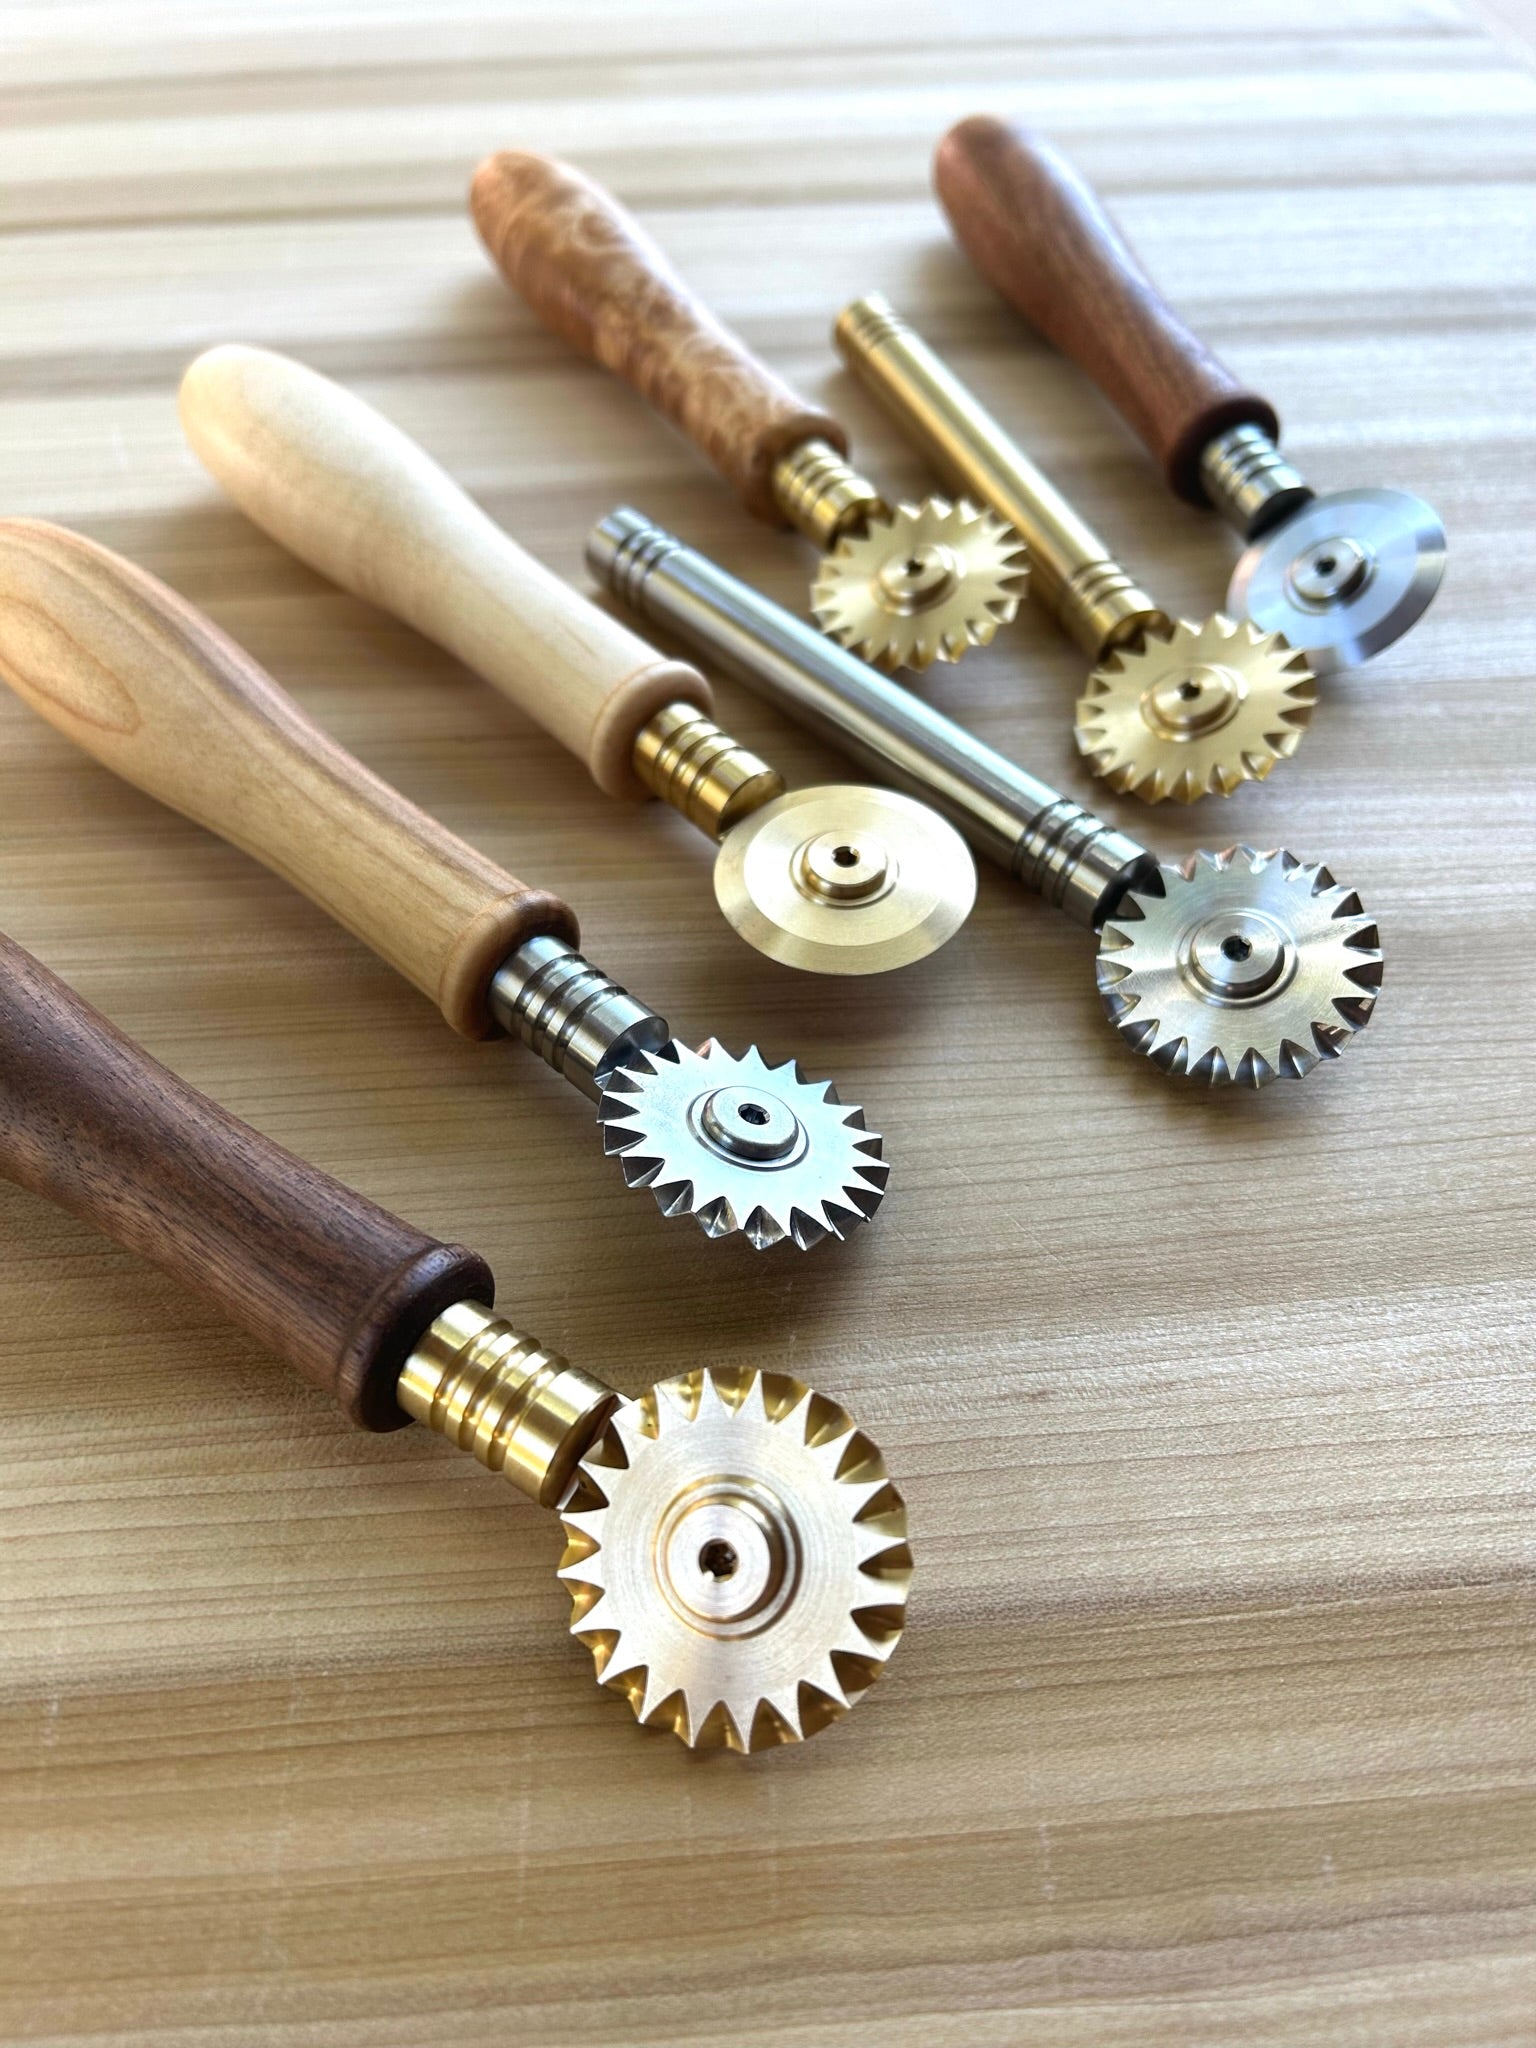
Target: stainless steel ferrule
{"x": 1047, "y": 842}
{"x": 1250, "y": 482}
{"x": 577, "y": 1020}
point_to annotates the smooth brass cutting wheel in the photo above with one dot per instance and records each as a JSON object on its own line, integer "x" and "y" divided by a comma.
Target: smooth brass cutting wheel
{"x": 737, "y": 1559}
{"x": 845, "y": 878}
{"x": 1196, "y": 711}
{"x": 1247, "y": 968}
{"x": 921, "y": 584}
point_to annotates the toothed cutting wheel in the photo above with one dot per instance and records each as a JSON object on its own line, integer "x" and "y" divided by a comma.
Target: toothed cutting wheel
{"x": 740, "y": 1145}
{"x": 1249, "y": 968}
{"x": 737, "y": 1559}
{"x": 921, "y": 585}
{"x": 1194, "y": 712}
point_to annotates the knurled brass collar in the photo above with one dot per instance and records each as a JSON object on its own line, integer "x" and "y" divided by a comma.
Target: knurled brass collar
{"x": 823, "y": 494}
{"x": 519, "y": 1409}
{"x": 685, "y": 759}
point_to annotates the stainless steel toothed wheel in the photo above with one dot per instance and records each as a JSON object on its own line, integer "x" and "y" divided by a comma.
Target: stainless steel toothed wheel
{"x": 1196, "y": 711}
{"x": 922, "y": 585}
{"x": 742, "y": 1146}
{"x": 737, "y": 1559}
{"x": 1248, "y": 968}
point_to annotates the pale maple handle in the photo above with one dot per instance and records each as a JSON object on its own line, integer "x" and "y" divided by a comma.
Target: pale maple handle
{"x": 350, "y": 493}
{"x": 144, "y": 682}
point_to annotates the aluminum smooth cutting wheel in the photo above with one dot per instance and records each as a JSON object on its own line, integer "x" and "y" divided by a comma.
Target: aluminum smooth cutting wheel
{"x": 1197, "y": 711}
{"x": 742, "y": 1146}
{"x": 920, "y": 586}
{"x": 1249, "y": 968}
{"x": 737, "y": 1559}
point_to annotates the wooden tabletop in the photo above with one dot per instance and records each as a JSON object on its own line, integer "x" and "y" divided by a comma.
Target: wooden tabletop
{"x": 1215, "y": 1718}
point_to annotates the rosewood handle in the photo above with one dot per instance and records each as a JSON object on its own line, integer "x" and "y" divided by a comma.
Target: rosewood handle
{"x": 314, "y": 1271}
{"x": 1037, "y": 232}
{"x": 348, "y": 492}
{"x": 143, "y": 681}
{"x": 592, "y": 274}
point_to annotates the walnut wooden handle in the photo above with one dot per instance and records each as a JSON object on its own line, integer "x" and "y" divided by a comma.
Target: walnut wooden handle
{"x": 592, "y": 274}
{"x": 1037, "y": 231}
{"x": 362, "y": 502}
{"x": 139, "y": 678}
{"x": 312, "y": 1270}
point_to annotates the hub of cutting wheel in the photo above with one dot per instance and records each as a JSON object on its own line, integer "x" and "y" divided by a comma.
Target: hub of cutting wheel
{"x": 919, "y": 578}
{"x": 842, "y": 867}
{"x": 1191, "y": 699}
{"x": 1240, "y": 956}
{"x": 728, "y": 1555}
{"x": 751, "y": 1127}
{"x": 1328, "y": 572}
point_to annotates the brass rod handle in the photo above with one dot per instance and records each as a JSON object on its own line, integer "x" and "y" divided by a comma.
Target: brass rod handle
{"x": 154, "y": 691}
{"x": 348, "y": 492}
{"x": 592, "y": 274}
{"x": 1073, "y": 575}
{"x": 1038, "y": 233}
{"x": 312, "y": 1270}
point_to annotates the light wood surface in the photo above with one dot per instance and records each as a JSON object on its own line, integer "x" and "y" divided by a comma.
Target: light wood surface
{"x": 1215, "y": 1719}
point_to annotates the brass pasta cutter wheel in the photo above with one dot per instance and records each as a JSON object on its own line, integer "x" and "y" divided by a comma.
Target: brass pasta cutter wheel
{"x": 150, "y": 687}
{"x": 1240, "y": 967}
{"x": 834, "y": 880}
{"x": 907, "y": 585}
{"x": 1342, "y": 575}
{"x": 735, "y": 1552}
{"x": 1173, "y": 707}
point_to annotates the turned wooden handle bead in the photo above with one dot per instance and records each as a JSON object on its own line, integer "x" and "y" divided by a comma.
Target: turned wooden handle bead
{"x": 335, "y": 1285}
{"x": 348, "y": 492}
{"x": 143, "y": 681}
{"x": 593, "y": 275}
{"x": 1037, "y": 232}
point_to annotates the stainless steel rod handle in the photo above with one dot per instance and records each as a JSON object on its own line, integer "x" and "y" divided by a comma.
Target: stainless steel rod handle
{"x": 1032, "y": 831}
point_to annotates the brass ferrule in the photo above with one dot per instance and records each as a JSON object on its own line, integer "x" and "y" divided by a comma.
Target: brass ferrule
{"x": 1072, "y": 573}
{"x": 521, "y": 1410}
{"x": 1250, "y": 482}
{"x": 685, "y": 759}
{"x": 823, "y": 494}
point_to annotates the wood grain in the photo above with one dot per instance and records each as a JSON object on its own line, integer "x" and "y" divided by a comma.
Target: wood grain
{"x": 339, "y": 484}
{"x": 151, "y": 688}
{"x": 310, "y": 1269}
{"x": 1214, "y": 1722}
{"x": 594, "y": 276}
{"x": 1037, "y": 233}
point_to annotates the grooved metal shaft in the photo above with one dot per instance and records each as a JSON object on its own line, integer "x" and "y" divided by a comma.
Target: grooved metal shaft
{"x": 1250, "y": 482}
{"x": 1072, "y": 573}
{"x": 1027, "y": 828}
{"x": 569, "y": 1013}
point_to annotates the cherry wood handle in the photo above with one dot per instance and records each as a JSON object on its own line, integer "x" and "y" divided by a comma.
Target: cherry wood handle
{"x": 348, "y": 492}
{"x": 140, "y": 679}
{"x": 1037, "y": 232}
{"x": 593, "y": 274}
{"x": 335, "y": 1285}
